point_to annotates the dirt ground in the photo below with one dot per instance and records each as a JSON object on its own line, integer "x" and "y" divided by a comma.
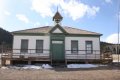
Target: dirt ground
{"x": 101, "y": 73}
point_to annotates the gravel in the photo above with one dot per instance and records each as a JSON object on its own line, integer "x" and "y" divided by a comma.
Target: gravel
{"x": 101, "y": 73}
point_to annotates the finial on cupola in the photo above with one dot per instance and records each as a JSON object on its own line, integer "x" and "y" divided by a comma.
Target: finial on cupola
{"x": 57, "y": 17}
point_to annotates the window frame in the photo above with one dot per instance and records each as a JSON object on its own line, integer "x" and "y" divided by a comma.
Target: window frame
{"x": 24, "y": 50}
{"x": 72, "y": 50}
{"x": 39, "y": 50}
{"x": 91, "y": 48}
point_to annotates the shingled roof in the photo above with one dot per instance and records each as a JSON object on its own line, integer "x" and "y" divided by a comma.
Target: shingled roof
{"x": 46, "y": 29}
{"x": 57, "y": 16}
{"x": 71, "y": 30}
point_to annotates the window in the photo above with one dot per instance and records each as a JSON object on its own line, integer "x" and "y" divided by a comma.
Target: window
{"x": 74, "y": 46}
{"x": 24, "y": 46}
{"x": 39, "y": 46}
{"x": 89, "y": 47}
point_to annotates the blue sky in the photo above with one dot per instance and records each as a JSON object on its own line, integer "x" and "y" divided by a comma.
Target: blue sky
{"x": 92, "y": 15}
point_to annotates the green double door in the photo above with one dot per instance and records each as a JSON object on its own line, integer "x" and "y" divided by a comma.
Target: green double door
{"x": 58, "y": 51}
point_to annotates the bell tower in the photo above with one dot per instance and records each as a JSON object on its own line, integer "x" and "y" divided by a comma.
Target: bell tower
{"x": 57, "y": 18}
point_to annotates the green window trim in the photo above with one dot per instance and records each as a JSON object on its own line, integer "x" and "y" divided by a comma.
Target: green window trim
{"x": 89, "y": 47}
{"x": 74, "y": 46}
{"x": 24, "y": 46}
{"x": 39, "y": 46}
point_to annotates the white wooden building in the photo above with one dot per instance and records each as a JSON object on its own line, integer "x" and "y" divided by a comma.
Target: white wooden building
{"x": 57, "y": 43}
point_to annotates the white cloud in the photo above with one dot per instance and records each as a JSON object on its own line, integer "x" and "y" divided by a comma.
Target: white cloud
{"x": 43, "y": 7}
{"x": 22, "y": 17}
{"x": 72, "y": 8}
{"x": 7, "y": 13}
{"x": 2, "y": 5}
{"x": 37, "y": 24}
{"x": 92, "y": 11}
{"x": 108, "y": 1}
{"x": 113, "y": 38}
{"x": 78, "y": 10}
{"x": 2, "y": 8}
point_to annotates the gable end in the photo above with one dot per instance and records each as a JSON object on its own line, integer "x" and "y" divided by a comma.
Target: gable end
{"x": 57, "y": 29}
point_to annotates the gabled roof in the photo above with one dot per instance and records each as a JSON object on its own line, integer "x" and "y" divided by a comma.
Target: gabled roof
{"x": 71, "y": 30}
{"x": 48, "y": 29}
{"x": 59, "y": 27}
{"x": 57, "y": 16}
{"x": 44, "y": 29}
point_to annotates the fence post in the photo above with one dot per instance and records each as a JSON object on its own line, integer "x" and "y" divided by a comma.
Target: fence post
{"x": 3, "y": 47}
{"x": 86, "y": 56}
{"x": 65, "y": 58}
{"x": 50, "y": 54}
{"x": 95, "y": 54}
{"x": 2, "y": 55}
{"x": 1, "y": 50}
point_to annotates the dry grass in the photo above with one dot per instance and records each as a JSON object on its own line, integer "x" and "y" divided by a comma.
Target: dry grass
{"x": 115, "y": 57}
{"x": 102, "y": 73}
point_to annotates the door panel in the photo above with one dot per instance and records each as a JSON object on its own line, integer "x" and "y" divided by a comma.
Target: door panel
{"x": 57, "y": 51}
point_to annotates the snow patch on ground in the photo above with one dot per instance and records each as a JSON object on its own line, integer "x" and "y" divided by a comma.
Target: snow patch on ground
{"x": 116, "y": 60}
{"x": 4, "y": 67}
{"x": 83, "y": 65}
{"x": 22, "y": 67}
{"x": 31, "y": 67}
{"x": 46, "y": 66}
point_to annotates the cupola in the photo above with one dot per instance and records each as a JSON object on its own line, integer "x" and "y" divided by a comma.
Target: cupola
{"x": 57, "y": 18}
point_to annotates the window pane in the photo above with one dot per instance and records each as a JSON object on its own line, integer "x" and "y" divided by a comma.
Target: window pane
{"x": 89, "y": 52}
{"x": 39, "y": 46}
{"x": 24, "y": 46}
{"x": 89, "y": 47}
{"x": 74, "y": 46}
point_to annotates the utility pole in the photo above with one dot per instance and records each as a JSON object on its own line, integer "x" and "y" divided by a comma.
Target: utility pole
{"x": 118, "y": 30}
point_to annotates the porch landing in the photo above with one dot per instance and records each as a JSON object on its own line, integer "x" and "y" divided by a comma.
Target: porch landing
{"x": 7, "y": 60}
